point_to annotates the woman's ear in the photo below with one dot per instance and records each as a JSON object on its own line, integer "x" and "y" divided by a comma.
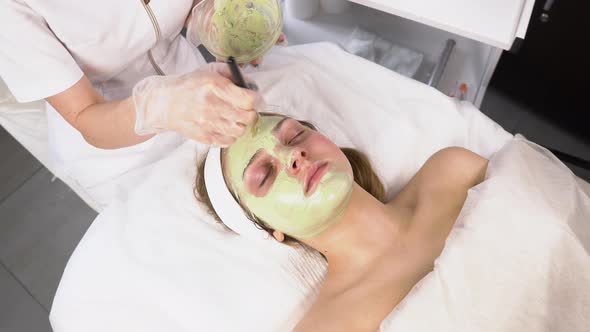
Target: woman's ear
{"x": 278, "y": 235}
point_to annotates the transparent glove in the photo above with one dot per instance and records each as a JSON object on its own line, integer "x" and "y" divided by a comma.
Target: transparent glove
{"x": 204, "y": 105}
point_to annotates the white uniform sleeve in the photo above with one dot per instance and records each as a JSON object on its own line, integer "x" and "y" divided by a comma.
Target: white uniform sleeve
{"x": 33, "y": 62}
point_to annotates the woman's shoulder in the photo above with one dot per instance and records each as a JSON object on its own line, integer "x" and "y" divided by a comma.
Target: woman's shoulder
{"x": 447, "y": 172}
{"x": 434, "y": 197}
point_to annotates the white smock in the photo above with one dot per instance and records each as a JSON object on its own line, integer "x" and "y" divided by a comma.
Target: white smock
{"x": 47, "y": 45}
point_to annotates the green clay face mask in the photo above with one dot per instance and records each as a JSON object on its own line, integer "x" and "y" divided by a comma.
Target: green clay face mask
{"x": 285, "y": 206}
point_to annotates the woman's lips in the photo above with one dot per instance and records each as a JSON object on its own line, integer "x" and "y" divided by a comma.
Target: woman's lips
{"x": 314, "y": 175}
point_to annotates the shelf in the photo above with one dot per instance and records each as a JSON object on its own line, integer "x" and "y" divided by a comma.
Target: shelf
{"x": 467, "y": 63}
{"x": 493, "y": 22}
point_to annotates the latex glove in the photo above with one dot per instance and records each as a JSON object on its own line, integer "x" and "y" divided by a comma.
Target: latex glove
{"x": 204, "y": 105}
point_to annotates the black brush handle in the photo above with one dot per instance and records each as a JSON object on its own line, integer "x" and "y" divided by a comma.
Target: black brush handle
{"x": 236, "y": 73}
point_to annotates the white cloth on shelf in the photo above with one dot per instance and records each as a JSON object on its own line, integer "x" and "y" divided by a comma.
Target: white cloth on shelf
{"x": 383, "y": 52}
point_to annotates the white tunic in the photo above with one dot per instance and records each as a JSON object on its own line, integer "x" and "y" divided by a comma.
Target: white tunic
{"x": 47, "y": 45}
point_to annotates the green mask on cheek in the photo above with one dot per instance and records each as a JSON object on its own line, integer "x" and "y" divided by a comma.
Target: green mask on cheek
{"x": 285, "y": 207}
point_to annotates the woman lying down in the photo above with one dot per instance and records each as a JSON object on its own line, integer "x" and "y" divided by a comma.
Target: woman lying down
{"x": 298, "y": 186}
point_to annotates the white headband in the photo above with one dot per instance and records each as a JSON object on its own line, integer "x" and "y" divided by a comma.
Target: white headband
{"x": 224, "y": 204}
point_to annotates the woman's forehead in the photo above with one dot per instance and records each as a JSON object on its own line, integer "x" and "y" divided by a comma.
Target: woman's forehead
{"x": 253, "y": 139}
{"x": 239, "y": 154}
{"x": 267, "y": 125}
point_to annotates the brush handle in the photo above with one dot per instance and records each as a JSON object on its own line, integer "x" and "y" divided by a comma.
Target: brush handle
{"x": 238, "y": 78}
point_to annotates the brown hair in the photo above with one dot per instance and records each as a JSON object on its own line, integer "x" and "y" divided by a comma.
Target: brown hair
{"x": 362, "y": 171}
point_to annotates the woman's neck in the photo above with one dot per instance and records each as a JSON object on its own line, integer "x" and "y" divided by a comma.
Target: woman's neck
{"x": 367, "y": 230}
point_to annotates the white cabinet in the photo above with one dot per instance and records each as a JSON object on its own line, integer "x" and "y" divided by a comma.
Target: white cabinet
{"x": 480, "y": 30}
{"x": 493, "y": 22}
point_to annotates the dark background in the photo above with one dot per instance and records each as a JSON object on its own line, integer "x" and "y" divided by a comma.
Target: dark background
{"x": 549, "y": 71}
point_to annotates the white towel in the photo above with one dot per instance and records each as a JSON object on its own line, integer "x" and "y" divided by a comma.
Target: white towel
{"x": 518, "y": 258}
{"x": 155, "y": 261}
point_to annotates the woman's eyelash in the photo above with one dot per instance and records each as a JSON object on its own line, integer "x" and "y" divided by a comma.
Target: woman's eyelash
{"x": 269, "y": 168}
{"x": 295, "y": 137}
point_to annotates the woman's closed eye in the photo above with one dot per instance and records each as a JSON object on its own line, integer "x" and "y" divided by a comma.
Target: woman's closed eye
{"x": 266, "y": 174}
{"x": 296, "y": 138}
{"x": 261, "y": 177}
{"x": 291, "y": 132}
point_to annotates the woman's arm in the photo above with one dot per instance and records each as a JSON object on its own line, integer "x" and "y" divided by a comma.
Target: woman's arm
{"x": 105, "y": 125}
{"x": 438, "y": 191}
{"x": 204, "y": 105}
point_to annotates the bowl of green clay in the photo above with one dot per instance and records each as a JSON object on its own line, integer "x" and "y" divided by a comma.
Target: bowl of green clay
{"x": 244, "y": 29}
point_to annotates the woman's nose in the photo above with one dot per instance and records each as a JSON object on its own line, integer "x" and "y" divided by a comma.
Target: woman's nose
{"x": 298, "y": 161}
